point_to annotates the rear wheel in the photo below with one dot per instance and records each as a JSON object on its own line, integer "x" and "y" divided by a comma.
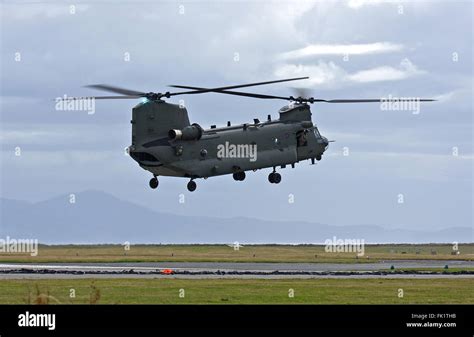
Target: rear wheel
{"x": 154, "y": 183}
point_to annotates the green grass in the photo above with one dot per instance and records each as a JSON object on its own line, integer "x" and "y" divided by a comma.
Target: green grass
{"x": 233, "y": 291}
{"x": 224, "y": 253}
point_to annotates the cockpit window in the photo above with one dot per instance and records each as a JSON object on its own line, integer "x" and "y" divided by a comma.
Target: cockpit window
{"x": 316, "y": 133}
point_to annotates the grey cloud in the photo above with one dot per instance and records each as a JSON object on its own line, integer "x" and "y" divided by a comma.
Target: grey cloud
{"x": 75, "y": 151}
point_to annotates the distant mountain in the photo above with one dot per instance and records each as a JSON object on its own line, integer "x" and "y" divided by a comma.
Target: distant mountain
{"x": 98, "y": 217}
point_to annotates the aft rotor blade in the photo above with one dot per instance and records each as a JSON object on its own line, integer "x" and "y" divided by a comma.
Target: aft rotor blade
{"x": 100, "y": 97}
{"x": 116, "y": 97}
{"x": 117, "y": 90}
{"x": 138, "y": 94}
{"x": 236, "y": 93}
{"x": 202, "y": 90}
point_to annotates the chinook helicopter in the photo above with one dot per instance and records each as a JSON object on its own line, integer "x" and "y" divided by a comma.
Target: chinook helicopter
{"x": 165, "y": 143}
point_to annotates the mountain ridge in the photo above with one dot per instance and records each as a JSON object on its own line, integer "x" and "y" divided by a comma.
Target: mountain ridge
{"x": 98, "y": 217}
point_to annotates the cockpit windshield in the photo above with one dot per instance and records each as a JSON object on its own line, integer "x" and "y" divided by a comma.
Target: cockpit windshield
{"x": 316, "y": 133}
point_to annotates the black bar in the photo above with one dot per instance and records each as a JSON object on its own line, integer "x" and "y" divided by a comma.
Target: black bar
{"x": 373, "y": 319}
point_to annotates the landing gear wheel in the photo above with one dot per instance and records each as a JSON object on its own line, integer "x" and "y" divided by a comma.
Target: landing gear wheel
{"x": 192, "y": 186}
{"x": 239, "y": 176}
{"x": 271, "y": 177}
{"x": 318, "y": 158}
{"x": 154, "y": 182}
{"x": 276, "y": 178}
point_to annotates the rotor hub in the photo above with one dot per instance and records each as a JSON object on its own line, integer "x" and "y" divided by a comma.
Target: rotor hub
{"x": 153, "y": 96}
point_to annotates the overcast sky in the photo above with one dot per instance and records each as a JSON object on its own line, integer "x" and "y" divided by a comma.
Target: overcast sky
{"x": 349, "y": 49}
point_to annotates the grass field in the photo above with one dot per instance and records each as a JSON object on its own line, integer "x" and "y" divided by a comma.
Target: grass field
{"x": 225, "y": 291}
{"x": 224, "y": 253}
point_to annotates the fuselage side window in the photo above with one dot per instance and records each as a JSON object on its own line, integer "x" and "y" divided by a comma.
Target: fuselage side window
{"x": 301, "y": 138}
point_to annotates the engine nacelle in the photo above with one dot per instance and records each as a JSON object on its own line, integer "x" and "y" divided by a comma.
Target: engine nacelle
{"x": 191, "y": 132}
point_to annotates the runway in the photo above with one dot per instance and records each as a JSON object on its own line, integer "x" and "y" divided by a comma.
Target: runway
{"x": 206, "y": 270}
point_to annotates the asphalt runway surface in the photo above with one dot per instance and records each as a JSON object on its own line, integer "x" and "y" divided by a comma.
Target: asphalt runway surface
{"x": 197, "y": 270}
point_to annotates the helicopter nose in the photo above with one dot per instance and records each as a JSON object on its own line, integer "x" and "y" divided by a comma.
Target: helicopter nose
{"x": 325, "y": 141}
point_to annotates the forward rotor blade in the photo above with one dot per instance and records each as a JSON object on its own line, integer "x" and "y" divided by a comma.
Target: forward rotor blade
{"x": 202, "y": 90}
{"x": 377, "y": 100}
{"x": 117, "y": 90}
{"x": 248, "y": 94}
{"x": 308, "y": 100}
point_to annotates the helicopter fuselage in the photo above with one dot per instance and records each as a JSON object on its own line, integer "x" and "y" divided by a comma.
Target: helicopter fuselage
{"x": 232, "y": 149}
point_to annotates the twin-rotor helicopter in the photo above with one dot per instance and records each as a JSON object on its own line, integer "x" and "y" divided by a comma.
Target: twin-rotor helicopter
{"x": 165, "y": 143}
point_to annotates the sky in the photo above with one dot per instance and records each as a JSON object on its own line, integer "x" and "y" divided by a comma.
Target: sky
{"x": 386, "y": 167}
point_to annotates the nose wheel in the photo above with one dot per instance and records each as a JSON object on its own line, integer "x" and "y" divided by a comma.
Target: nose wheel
{"x": 274, "y": 178}
{"x": 192, "y": 186}
{"x": 154, "y": 182}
